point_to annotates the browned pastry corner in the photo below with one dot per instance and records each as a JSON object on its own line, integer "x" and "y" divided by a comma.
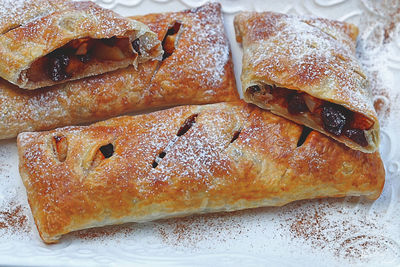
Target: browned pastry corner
{"x": 181, "y": 161}
{"x": 306, "y": 70}
{"x": 45, "y": 42}
{"x": 197, "y": 68}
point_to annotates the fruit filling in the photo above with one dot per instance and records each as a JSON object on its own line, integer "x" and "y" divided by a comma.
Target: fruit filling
{"x": 60, "y": 147}
{"x": 334, "y": 118}
{"x": 169, "y": 40}
{"x": 77, "y": 55}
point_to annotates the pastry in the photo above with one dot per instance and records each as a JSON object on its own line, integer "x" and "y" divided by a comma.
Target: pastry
{"x": 197, "y": 68}
{"x": 305, "y": 69}
{"x": 182, "y": 161}
{"x": 45, "y": 42}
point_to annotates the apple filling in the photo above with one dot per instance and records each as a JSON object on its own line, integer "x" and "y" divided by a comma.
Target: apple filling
{"x": 80, "y": 54}
{"x": 334, "y": 118}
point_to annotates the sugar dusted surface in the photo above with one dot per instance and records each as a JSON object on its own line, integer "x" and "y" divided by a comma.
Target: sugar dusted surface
{"x": 340, "y": 232}
{"x": 210, "y": 59}
{"x": 202, "y": 59}
{"x": 322, "y": 55}
{"x": 14, "y": 12}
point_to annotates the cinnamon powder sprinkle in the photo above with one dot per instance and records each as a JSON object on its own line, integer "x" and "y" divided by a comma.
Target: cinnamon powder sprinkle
{"x": 14, "y": 218}
{"x": 190, "y": 231}
{"x": 331, "y": 226}
{"x": 99, "y": 233}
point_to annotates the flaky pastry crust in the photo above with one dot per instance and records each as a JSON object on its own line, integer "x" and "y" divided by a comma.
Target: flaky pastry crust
{"x": 307, "y": 55}
{"x": 31, "y": 30}
{"x": 181, "y": 161}
{"x": 198, "y": 71}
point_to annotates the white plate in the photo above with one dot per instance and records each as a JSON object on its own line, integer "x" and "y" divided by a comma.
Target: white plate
{"x": 327, "y": 232}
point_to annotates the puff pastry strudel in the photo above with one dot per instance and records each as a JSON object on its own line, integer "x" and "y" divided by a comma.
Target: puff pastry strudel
{"x": 181, "y": 161}
{"x": 305, "y": 69}
{"x": 196, "y": 69}
{"x": 45, "y": 42}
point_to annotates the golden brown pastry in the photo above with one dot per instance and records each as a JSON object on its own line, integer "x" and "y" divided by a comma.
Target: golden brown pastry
{"x": 198, "y": 70}
{"x": 305, "y": 69}
{"x": 181, "y": 161}
{"x": 45, "y": 42}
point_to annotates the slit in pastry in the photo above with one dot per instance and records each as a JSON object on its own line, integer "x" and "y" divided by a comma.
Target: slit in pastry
{"x": 60, "y": 147}
{"x": 303, "y": 137}
{"x": 185, "y": 127}
{"x": 104, "y": 152}
{"x": 235, "y": 135}
{"x": 171, "y": 39}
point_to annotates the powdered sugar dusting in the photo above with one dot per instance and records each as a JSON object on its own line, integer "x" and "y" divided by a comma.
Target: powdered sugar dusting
{"x": 198, "y": 159}
{"x": 211, "y": 59}
{"x": 204, "y": 55}
{"x": 11, "y": 8}
{"x": 14, "y": 13}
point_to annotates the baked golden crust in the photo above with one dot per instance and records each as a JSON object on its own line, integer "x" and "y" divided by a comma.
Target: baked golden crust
{"x": 202, "y": 58}
{"x": 153, "y": 85}
{"x": 180, "y": 161}
{"x": 36, "y": 32}
{"x": 307, "y": 55}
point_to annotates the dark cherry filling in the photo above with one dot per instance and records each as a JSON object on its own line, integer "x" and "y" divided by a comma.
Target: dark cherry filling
{"x": 72, "y": 58}
{"x": 357, "y": 136}
{"x": 104, "y": 152}
{"x": 58, "y": 63}
{"x": 107, "y": 150}
{"x": 188, "y": 123}
{"x": 136, "y": 46}
{"x": 334, "y": 118}
{"x": 337, "y": 119}
{"x": 254, "y": 89}
{"x": 296, "y": 104}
